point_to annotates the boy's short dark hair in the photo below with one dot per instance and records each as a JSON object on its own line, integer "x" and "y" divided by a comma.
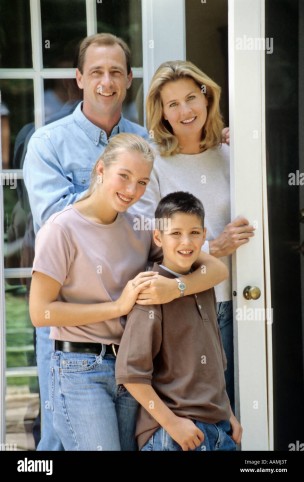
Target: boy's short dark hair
{"x": 179, "y": 202}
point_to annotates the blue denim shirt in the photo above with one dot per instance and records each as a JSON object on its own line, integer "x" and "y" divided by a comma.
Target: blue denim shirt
{"x": 59, "y": 160}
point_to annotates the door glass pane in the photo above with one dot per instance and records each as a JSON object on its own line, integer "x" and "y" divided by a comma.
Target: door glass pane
{"x": 63, "y": 27}
{"x": 60, "y": 98}
{"x": 18, "y": 100}
{"x": 122, "y": 18}
{"x": 207, "y": 40}
{"x": 15, "y": 34}
{"x": 133, "y": 104}
{"x": 18, "y": 229}
{"x": 285, "y": 179}
{"x": 22, "y": 398}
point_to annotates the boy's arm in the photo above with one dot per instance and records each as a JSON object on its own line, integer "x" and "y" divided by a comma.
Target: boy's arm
{"x": 182, "y": 430}
{"x": 209, "y": 272}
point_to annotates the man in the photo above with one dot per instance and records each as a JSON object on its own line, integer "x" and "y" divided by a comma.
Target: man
{"x": 61, "y": 155}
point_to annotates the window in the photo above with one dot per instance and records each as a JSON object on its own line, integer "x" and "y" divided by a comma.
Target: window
{"x": 37, "y": 69}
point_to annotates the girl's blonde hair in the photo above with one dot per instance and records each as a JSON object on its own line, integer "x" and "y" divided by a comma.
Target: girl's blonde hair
{"x": 160, "y": 129}
{"x": 118, "y": 144}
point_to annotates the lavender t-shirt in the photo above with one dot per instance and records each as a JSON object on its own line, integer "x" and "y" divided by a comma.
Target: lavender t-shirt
{"x": 93, "y": 262}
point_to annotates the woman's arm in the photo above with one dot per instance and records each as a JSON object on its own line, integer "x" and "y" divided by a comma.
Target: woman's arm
{"x": 210, "y": 272}
{"x": 234, "y": 235}
{"x": 182, "y": 430}
{"x": 45, "y": 310}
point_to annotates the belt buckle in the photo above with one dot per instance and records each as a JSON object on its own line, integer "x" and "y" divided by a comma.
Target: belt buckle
{"x": 114, "y": 350}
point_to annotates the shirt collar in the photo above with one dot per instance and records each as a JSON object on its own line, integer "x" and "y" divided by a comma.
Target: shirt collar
{"x": 95, "y": 133}
{"x": 172, "y": 272}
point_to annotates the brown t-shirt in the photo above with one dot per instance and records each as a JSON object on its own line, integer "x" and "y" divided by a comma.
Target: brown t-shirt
{"x": 177, "y": 348}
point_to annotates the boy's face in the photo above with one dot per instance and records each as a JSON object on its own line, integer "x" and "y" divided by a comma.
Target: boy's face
{"x": 181, "y": 241}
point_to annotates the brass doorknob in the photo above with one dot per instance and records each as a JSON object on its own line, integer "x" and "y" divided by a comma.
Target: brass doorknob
{"x": 252, "y": 293}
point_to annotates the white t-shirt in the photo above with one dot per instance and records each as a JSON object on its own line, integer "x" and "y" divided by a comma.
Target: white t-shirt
{"x": 206, "y": 176}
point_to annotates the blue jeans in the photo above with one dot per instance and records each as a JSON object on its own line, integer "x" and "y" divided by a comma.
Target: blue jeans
{"x": 90, "y": 412}
{"x": 225, "y": 321}
{"x": 44, "y": 348}
{"x": 216, "y": 438}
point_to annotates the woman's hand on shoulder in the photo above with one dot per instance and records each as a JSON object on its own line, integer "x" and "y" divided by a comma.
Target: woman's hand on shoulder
{"x": 226, "y": 136}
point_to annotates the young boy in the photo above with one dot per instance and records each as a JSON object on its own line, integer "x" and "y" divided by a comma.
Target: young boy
{"x": 171, "y": 357}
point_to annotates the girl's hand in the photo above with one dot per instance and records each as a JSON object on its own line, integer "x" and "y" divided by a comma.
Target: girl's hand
{"x": 160, "y": 290}
{"x": 132, "y": 289}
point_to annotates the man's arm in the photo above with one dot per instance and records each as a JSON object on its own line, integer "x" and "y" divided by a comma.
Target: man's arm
{"x": 210, "y": 272}
{"x": 49, "y": 188}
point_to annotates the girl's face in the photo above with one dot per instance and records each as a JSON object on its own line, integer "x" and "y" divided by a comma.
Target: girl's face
{"x": 184, "y": 107}
{"x": 125, "y": 180}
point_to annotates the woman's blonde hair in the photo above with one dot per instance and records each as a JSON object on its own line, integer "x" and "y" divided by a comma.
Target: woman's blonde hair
{"x": 118, "y": 144}
{"x": 160, "y": 130}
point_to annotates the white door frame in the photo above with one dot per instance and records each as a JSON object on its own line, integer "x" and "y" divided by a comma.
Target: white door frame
{"x": 253, "y": 323}
{"x": 164, "y": 38}
{"x": 164, "y": 35}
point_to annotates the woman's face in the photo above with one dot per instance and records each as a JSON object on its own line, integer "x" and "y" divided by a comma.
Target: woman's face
{"x": 125, "y": 180}
{"x": 184, "y": 107}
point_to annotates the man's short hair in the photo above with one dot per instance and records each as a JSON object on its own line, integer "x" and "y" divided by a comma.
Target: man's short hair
{"x": 103, "y": 39}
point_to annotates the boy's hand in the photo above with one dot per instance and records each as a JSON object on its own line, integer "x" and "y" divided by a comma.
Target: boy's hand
{"x": 185, "y": 433}
{"x": 237, "y": 429}
{"x": 235, "y": 234}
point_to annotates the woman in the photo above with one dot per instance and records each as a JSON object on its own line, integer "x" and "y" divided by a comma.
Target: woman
{"x": 184, "y": 120}
{"x": 85, "y": 279}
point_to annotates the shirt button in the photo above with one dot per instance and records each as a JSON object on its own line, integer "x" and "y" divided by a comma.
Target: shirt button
{"x": 83, "y": 181}
{"x": 195, "y": 296}
{"x": 200, "y": 307}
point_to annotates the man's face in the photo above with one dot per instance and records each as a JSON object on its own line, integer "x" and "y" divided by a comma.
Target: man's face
{"x": 104, "y": 82}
